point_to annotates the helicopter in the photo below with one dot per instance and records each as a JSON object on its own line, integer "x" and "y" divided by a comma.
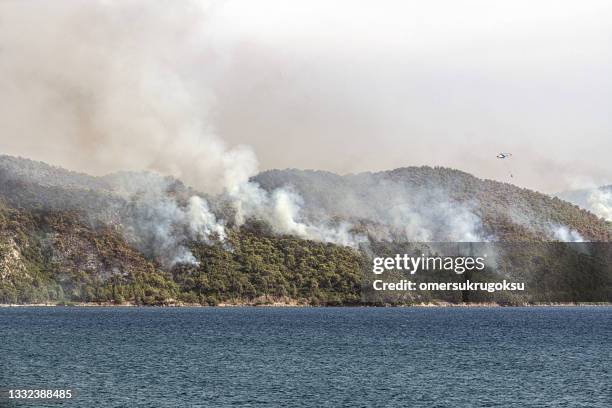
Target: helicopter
{"x": 502, "y": 156}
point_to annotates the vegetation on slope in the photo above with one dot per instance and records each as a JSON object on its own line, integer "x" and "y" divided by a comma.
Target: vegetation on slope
{"x": 62, "y": 240}
{"x": 52, "y": 257}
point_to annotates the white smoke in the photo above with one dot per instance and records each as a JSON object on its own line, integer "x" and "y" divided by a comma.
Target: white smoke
{"x": 285, "y": 212}
{"x": 600, "y": 202}
{"x": 437, "y": 221}
{"x": 282, "y": 210}
{"x": 565, "y": 234}
{"x": 202, "y": 222}
{"x": 387, "y": 206}
{"x": 157, "y": 223}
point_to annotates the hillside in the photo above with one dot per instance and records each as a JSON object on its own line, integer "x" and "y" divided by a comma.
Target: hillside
{"x": 504, "y": 212}
{"x": 71, "y": 237}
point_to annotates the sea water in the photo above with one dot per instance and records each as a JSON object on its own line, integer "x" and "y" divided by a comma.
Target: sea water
{"x": 309, "y": 357}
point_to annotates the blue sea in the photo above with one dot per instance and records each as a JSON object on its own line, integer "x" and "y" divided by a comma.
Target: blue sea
{"x": 310, "y": 357}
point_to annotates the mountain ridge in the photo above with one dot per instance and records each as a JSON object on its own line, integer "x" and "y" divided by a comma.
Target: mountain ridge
{"x": 70, "y": 237}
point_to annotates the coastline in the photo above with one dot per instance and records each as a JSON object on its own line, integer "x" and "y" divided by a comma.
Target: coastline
{"x": 304, "y": 305}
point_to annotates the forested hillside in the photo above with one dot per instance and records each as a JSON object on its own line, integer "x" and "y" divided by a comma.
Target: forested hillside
{"x": 69, "y": 237}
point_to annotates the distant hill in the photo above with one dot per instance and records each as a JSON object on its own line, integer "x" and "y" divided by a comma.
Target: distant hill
{"x": 34, "y": 185}
{"x": 72, "y": 237}
{"x": 413, "y": 203}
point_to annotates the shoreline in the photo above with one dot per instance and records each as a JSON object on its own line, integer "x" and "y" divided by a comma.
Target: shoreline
{"x": 302, "y": 305}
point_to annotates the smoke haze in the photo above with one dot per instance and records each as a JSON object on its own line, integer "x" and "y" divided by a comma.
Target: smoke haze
{"x": 182, "y": 88}
{"x": 213, "y": 92}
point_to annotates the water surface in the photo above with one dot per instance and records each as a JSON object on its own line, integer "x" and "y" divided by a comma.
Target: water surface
{"x": 311, "y": 357}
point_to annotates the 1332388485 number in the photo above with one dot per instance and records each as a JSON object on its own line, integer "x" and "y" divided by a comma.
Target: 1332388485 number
{"x": 39, "y": 394}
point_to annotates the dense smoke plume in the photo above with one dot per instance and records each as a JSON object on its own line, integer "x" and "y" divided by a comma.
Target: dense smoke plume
{"x": 102, "y": 86}
{"x": 107, "y": 86}
{"x": 158, "y": 222}
{"x": 126, "y": 85}
{"x": 340, "y": 86}
{"x": 387, "y": 206}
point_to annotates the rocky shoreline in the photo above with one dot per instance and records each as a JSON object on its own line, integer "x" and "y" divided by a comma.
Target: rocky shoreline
{"x": 302, "y": 304}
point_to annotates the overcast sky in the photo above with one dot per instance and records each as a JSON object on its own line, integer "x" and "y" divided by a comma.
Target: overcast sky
{"x": 346, "y": 86}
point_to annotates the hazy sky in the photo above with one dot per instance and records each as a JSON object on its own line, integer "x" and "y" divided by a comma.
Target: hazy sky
{"x": 344, "y": 86}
